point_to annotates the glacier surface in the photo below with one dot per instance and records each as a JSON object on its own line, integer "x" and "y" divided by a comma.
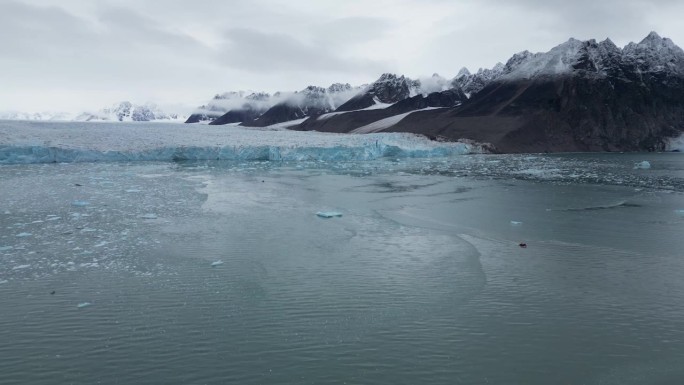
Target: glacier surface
{"x": 56, "y": 142}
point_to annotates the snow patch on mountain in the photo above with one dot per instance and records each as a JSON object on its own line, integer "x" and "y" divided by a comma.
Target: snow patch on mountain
{"x": 386, "y": 123}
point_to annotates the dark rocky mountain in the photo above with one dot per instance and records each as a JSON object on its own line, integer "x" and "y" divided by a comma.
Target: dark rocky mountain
{"x": 579, "y": 96}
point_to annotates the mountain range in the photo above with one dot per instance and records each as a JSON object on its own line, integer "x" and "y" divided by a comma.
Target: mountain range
{"x": 120, "y": 112}
{"x": 578, "y": 96}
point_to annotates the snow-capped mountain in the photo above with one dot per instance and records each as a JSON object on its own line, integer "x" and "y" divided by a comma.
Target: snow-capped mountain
{"x": 242, "y": 104}
{"x": 388, "y": 89}
{"x": 653, "y": 54}
{"x": 18, "y": 115}
{"x": 128, "y": 112}
{"x": 310, "y": 101}
{"x": 473, "y": 83}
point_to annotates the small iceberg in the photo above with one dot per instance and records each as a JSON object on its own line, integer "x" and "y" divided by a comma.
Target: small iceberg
{"x": 644, "y": 165}
{"x": 80, "y": 203}
{"x": 329, "y": 214}
{"x": 679, "y": 212}
{"x": 516, "y": 223}
{"x": 83, "y": 304}
{"x": 217, "y": 263}
{"x": 23, "y": 235}
{"x": 149, "y": 216}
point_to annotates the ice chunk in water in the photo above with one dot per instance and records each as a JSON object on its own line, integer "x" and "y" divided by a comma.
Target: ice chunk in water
{"x": 23, "y": 235}
{"x": 642, "y": 165}
{"x": 328, "y": 214}
{"x": 21, "y": 267}
{"x": 80, "y": 203}
{"x": 516, "y": 223}
{"x": 217, "y": 263}
{"x": 83, "y": 304}
{"x": 679, "y": 212}
{"x": 3, "y": 281}
{"x": 5, "y": 248}
{"x": 149, "y": 216}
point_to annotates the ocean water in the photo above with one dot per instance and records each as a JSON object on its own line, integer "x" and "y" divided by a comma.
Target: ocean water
{"x": 215, "y": 272}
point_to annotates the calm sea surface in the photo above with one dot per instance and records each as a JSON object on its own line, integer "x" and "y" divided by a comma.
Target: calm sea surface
{"x": 221, "y": 273}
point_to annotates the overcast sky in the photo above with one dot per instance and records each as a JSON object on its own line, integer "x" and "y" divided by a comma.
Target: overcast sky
{"x": 75, "y": 55}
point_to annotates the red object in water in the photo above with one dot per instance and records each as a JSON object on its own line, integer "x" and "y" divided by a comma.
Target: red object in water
{"x": 523, "y": 245}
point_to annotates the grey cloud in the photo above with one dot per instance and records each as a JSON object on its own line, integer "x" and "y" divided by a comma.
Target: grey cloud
{"x": 353, "y": 30}
{"x": 178, "y": 49}
{"x": 252, "y": 50}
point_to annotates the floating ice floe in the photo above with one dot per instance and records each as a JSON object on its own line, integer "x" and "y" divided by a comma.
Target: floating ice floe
{"x": 3, "y": 281}
{"x": 679, "y": 212}
{"x": 217, "y": 263}
{"x": 80, "y": 203}
{"x": 21, "y": 267}
{"x": 329, "y": 214}
{"x": 6, "y": 248}
{"x": 23, "y": 235}
{"x": 643, "y": 165}
{"x": 516, "y": 223}
{"x": 149, "y": 216}
{"x": 83, "y": 304}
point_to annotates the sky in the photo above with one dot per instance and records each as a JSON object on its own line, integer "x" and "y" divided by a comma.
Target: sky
{"x": 82, "y": 55}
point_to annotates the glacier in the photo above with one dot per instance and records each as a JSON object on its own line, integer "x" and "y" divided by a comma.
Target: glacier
{"x": 57, "y": 142}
